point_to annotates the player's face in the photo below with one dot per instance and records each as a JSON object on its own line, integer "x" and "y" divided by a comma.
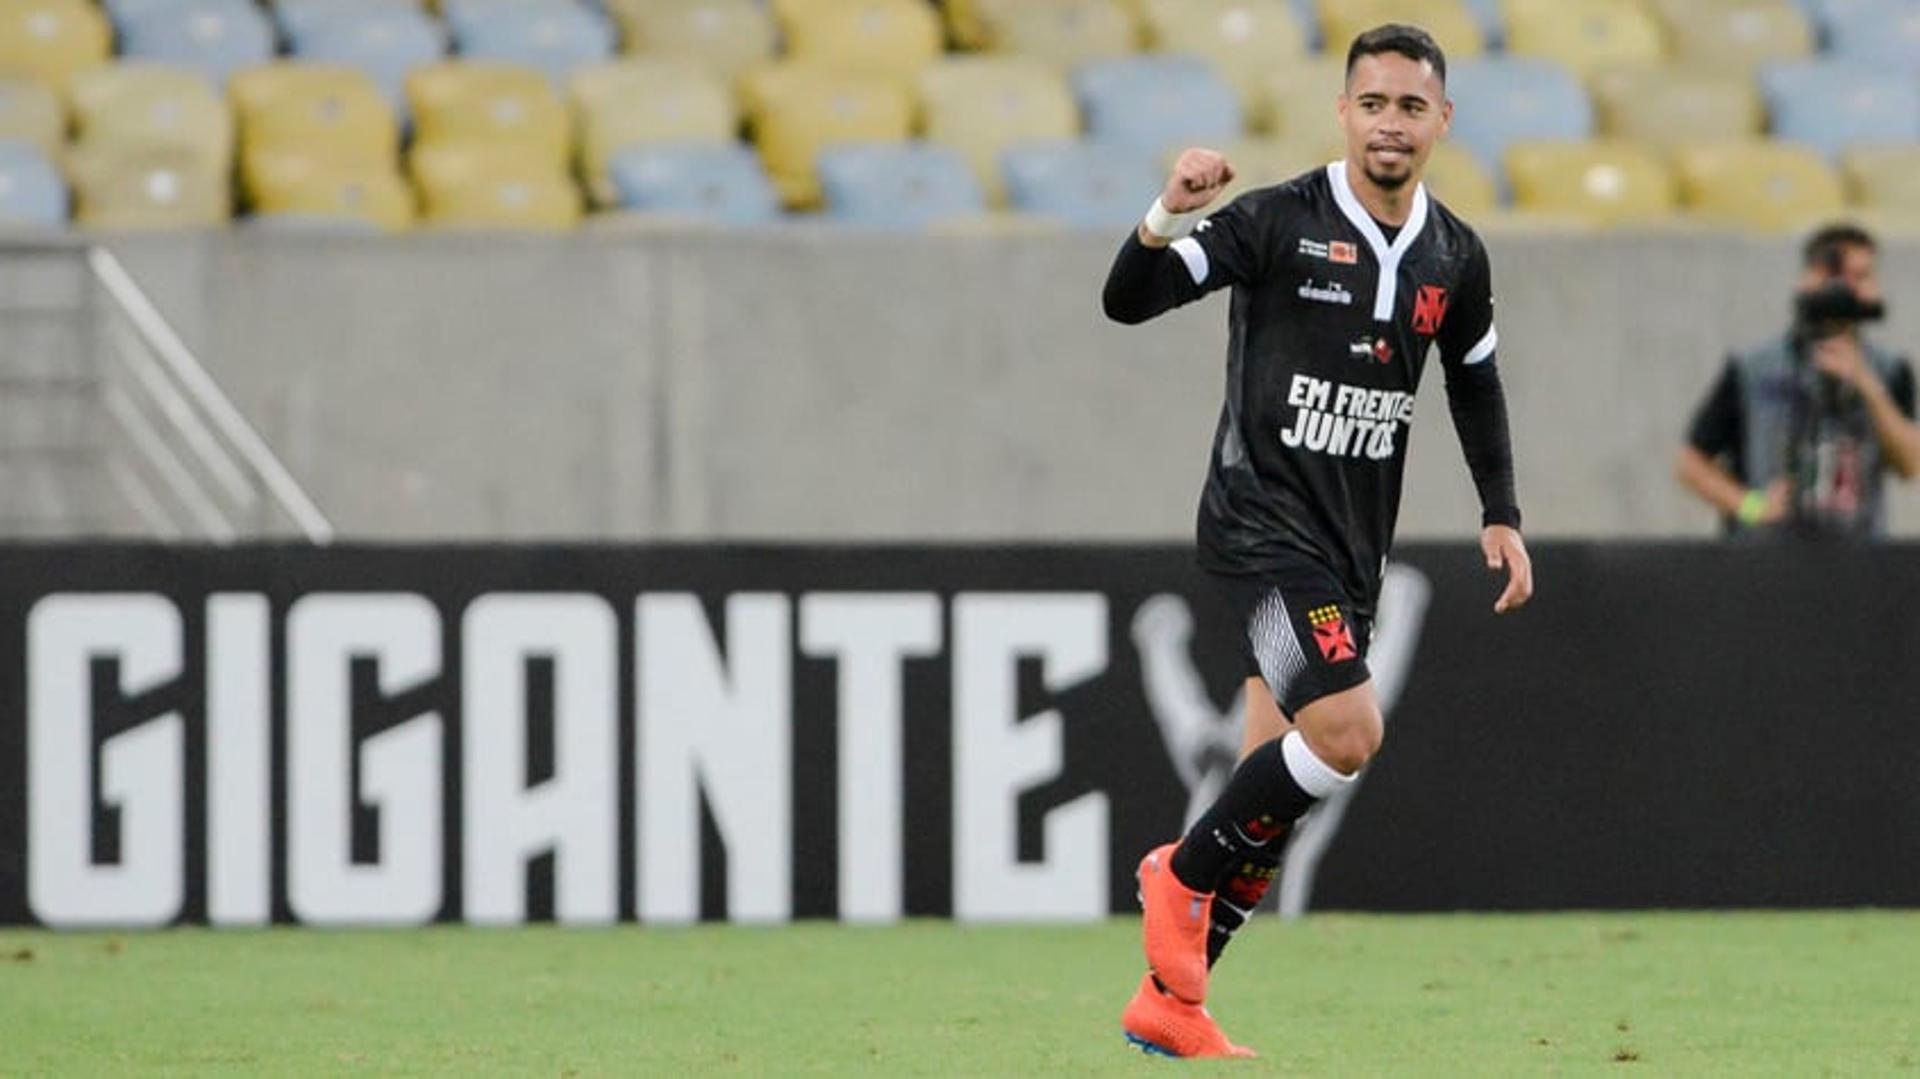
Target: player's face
{"x": 1394, "y": 110}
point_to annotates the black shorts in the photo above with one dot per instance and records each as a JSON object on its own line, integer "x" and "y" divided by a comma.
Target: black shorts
{"x": 1298, "y": 630}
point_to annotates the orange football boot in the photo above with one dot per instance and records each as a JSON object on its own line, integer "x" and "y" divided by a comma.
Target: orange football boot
{"x": 1173, "y": 926}
{"x": 1161, "y": 1024}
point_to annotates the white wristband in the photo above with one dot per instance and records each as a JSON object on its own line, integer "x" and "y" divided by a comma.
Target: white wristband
{"x": 1168, "y": 225}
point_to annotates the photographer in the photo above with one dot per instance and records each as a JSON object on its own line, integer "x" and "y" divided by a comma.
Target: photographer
{"x": 1795, "y": 436}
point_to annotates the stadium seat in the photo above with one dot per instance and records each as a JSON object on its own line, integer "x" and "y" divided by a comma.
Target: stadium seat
{"x": 30, "y": 112}
{"x": 216, "y": 37}
{"x": 295, "y": 183}
{"x": 1457, "y": 178}
{"x": 1586, "y": 35}
{"x": 32, "y": 195}
{"x": 1886, "y": 31}
{"x": 1604, "y": 181}
{"x": 1884, "y": 177}
{"x": 719, "y": 182}
{"x": 1449, "y": 21}
{"x": 336, "y": 109}
{"x": 1500, "y": 102}
{"x": 1737, "y": 34}
{"x": 1833, "y": 105}
{"x": 300, "y": 17}
{"x": 1061, "y": 32}
{"x": 1082, "y": 184}
{"x": 621, "y": 104}
{"x": 387, "y": 42}
{"x": 136, "y": 105}
{"x": 1491, "y": 17}
{"x": 1670, "y": 106}
{"x": 876, "y": 37}
{"x": 148, "y": 188}
{"x": 495, "y": 104}
{"x": 796, "y": 110}
{"x": 49, "y": 40}
{"x": 980, "y": 105}
{"x": 1150, "y": 101}
{"x": 491, "y": 186}
{"x": 1299, "y": 98}
{"x": 728, "y": 36}
{"x": 1758, "y": 184}
{"x": 897, "y": 185}
{"x": 551, "y": 37}
{"x": 1244, "y": 40}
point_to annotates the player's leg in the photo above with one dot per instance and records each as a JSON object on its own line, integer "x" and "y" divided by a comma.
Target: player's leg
{"x": 1308, "y": 648}
{"x": 1238, "y": 892}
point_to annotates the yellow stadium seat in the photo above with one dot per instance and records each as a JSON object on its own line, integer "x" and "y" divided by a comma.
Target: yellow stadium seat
{"x": 492, "y": 103}
{"x": 1261, "y": 163}
{"x": 796, "y": 109}
{"x": 1884, "y": 177}
{"x": 1586, "y": 35}
{"x": 1675, "y": 106}
{"x": 286, "y": 184}
{"x": 336, "y": 112}
{"x": 728, "y": 36}
{"x": 1245, "y": 40}
{"x": 478, "y": 186}
{"x": 1300, "y": 98}
{"x": 1449, "y": 21}
{"x": 1063, "y": 32}
{"x": 1758, "y": 184}
{"x": 31, "y": 112}
{"x": 51, "y": 40}
{"x": 1736, "y": 33}
{"x": 876, "y": 37}
{"x": 134, "y": 105}
{"x": 146, "y": 188}
{"x": 633, "y": 101}
{"x": 981, "y": 105}
{"x": 1457, "y": 178}
{"x": 1606, "y": 181}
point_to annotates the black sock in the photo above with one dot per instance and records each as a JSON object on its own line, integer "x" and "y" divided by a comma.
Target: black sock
{"x": 1258, "y": 805}
{"x": 1238, "y": 894}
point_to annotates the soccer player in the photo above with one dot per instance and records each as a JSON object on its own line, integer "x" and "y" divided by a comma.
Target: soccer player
{"x": 1342, "y": 279}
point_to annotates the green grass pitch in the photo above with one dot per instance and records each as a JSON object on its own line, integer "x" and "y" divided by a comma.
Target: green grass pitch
{"x": 1668, "y": 994}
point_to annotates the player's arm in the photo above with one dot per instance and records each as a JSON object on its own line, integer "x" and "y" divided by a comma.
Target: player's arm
{"x": 1165, "y": 263}
{"x": 1478, "y": 403}
{"x": 1717, "y": 432}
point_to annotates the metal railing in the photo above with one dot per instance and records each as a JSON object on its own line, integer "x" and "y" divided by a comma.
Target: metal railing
{"x": 154, "y": 447}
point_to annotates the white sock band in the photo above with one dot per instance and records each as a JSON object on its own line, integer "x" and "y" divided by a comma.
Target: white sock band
{"x": 1314, "y": 775}
{"x": 1168, "y": 225}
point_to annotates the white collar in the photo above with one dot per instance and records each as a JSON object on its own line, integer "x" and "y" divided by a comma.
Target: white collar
{"x": 1388, "y": 255}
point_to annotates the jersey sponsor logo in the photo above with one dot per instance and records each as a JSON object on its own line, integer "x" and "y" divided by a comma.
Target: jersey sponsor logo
{"x": 1318, "y": 249}
{"x": 1429, "y": 310}
{"x": 1331, "y": 292}
{"x": 1330, "y": 632}
{"x": 1345, "y": 421}
{"x": 1377, "y": 349}
{"x": 1344, "y": 253}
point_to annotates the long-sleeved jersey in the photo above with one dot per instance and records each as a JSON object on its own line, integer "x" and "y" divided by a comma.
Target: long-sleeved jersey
{"x": 1331, "y": 320}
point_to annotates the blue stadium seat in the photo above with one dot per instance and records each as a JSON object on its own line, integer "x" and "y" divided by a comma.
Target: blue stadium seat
{"x": 897, "y": 185}
{"x": 1884, "y": 30}
{"x": 1153, "y": 102}
{"x": 385, "y": 42}
{"x": 1083, "y": 184}
{"x": 1836, "y": 104}
{"x": 218, "y": 37}
{"x": 297, "y": 18}
{"x": 721, "y": 182}
{"x": 32, "y": 195}
{"x": 1503, "y": 101}
{"x": 550, "y": 37}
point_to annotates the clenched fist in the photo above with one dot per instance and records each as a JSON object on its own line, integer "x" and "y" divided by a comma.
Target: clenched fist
{"x": 1198, "y": 177}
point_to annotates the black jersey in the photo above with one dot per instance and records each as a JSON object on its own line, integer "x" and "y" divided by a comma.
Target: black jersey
{"x": 1331, "y": 322}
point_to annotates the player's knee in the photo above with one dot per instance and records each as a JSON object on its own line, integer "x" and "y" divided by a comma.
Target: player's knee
{"x": 1347, "y": 747}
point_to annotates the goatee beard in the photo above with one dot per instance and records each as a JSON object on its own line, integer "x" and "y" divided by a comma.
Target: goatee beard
{"x": 1389, "y": 183}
